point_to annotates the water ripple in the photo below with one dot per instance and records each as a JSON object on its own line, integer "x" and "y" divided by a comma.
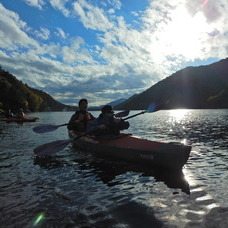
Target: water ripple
{"x": 75, "y": 189}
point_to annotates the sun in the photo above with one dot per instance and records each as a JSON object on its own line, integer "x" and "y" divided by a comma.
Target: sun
{"x": 184, "y": 34}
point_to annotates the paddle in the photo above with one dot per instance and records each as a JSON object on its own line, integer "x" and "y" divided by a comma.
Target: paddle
{"x": 56, "y": 146}
{"x": 152, "y": 108}
{"x": 50, "y": 127}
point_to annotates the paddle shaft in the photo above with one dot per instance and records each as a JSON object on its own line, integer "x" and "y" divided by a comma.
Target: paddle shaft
{"x": 137, "y": 114}
{"x": 145, "y": 111}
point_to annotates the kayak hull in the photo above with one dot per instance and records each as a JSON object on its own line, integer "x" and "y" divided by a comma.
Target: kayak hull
{"x": 133, "y": 149}
{"x": 19, "y": 120}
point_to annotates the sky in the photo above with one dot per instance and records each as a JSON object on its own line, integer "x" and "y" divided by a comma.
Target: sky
{"x": 104, "y": 50}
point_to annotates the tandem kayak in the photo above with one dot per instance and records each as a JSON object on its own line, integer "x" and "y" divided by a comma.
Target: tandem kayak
{"x": 134, "y": 149}
{"x": 19, "y": 120}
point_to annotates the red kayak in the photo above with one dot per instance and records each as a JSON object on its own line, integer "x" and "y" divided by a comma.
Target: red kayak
{"x": 134, "y": 149}
{"x": 19, "y": 120}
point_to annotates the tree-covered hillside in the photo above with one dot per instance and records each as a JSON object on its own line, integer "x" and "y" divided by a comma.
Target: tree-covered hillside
{"x": 14, "y": 95}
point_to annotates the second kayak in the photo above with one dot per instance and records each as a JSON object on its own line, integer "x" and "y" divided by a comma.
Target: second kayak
{"x": 19, "y": 120}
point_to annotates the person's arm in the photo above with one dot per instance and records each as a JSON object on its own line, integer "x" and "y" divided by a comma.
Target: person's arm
{"x": 123, "y": 124}
{"x": 120, "y": 123}
{"x": 73, "y": 123}
{"x": 93, "y": 125}
{"x": 91, "y": 116}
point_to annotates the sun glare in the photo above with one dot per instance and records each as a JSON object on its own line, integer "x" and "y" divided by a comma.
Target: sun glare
{"x": 178, "y": 114}
{"x": 184, "y": 34}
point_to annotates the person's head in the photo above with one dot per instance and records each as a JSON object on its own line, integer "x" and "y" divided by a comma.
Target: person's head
{"x": 107, "y": 109}
{"x": 83, "y": 104}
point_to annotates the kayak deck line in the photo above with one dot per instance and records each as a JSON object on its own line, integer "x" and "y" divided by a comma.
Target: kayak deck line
{"x": 134, "y": 149}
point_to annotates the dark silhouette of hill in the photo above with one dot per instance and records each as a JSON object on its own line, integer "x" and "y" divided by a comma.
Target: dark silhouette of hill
{"x": 116, "y": 102}
{"x": 203, "y": 87}
{"x": 14, "y": 94}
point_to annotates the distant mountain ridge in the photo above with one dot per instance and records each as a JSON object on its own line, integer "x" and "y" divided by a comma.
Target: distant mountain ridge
{"x": 202, "y": 87}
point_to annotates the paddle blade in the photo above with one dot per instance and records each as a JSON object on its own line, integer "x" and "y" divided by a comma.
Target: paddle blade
{"x": 52, "y": 147}
{"x": 45, "y": 128}
{"x": 122, "y": 114}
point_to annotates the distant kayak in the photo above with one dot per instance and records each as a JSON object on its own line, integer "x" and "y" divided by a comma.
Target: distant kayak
{"x": 134, "y": 149}
{"x": 19, "y": 120}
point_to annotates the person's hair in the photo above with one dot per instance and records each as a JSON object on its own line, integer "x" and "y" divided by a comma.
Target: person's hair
{"x": 107, "y": 109}
{"x": 82, "y": 100}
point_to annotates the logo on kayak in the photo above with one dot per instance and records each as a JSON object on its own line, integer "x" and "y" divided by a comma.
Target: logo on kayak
{"x": 146, "y": 156}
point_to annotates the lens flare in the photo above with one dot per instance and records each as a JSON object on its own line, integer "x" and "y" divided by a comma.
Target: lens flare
{"x": 39, "y": 218}
{"x": 204, "y": 3}
{"x": 152, "y": 107}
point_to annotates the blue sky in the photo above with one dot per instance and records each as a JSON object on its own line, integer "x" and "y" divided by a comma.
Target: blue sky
{"x": 105, "y": 50}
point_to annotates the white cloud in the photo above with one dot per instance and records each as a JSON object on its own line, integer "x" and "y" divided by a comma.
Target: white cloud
{"x": 111, "y": 11}
{"x": 91, "y": 16}
{"x": 60, "y": 5}
{"x": 43, "y": 34}
{"x": 12, "y": 31}
{"x": 35, "y": 3}
{"x": 114, "y": 3}
{"x": 60, "y": 33}
{"x": 75, "y": 53}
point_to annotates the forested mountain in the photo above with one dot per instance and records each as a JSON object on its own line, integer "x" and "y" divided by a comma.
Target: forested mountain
{"x": 202, "y": 87}
{"x": 14, "y": 95}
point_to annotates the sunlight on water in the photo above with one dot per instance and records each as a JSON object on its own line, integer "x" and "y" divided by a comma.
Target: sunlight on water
{"x": 178, "y": 114}
{"x": 178, "y": 120}
{"x": 184, "y": 141}
{"x": 189, "y": 177}
{"x": 197, "y": 188}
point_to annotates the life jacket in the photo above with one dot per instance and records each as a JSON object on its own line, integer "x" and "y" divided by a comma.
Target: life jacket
{"x": 84, "y": 118}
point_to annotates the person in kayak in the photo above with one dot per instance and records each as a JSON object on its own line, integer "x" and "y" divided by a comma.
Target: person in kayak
{"x": 106, "y": 124}
{"x": 20, "y": 114}
{"x": 80, "y": 119}
{"x": 9, "y": 114}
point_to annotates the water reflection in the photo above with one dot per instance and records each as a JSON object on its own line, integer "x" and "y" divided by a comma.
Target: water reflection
{"x": 108, "y": 170}
{"x": 48, "y": 162}
{"x": 127, "y": 211}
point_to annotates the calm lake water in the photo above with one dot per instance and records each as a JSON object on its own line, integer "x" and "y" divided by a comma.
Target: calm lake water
{"x": 75, "y": 189}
